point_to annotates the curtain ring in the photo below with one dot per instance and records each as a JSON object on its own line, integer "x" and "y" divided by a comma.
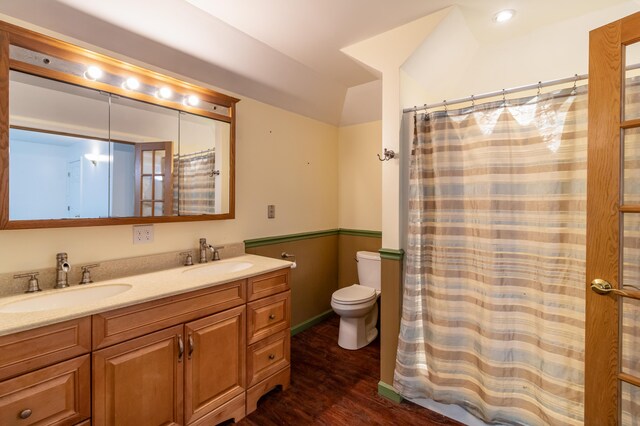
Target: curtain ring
{"x": 445, "y": 105}
{"x": 575, "y": 85}
{"x": 473, "y": 101}
{"x": 426, "y": 112}
{"x": 504, "y": 96}
{"x": 539, "y": 88}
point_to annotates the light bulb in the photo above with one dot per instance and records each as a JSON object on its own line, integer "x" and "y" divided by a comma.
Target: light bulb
{"x": 192, "y": 100}
{"x": 165, "y": 93}
{"x": 504, "y": 15}
{"x": 131, "y": 83}
{"x": 93, "y": 73}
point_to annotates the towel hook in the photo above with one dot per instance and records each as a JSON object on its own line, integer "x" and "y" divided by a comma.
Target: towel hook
{"x": 388, "y": 155}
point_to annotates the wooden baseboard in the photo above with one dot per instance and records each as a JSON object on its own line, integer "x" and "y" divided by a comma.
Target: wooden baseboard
{"x": 388, "y": 392}
{"x": 311, "y": 322}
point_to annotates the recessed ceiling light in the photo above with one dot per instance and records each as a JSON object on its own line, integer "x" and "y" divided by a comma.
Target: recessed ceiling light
{"x": 504, "y": 16}
{"x": 93, "y": 73}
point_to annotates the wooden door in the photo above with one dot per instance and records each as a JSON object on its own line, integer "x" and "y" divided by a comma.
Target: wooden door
{"x": 140, "y": 382}
{"x": 215, "y": 366}
{"x": 612, "y": 358}
{"x": 154, "y": 179}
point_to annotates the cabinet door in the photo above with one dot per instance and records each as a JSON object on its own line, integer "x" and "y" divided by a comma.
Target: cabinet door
{"x": 56, "y": 395}
{"x": 140, "y": 382}
{"x": 215, "y": 366}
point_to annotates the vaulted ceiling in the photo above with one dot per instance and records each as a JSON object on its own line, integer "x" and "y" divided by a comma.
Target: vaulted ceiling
{"x": 283, "y": 52}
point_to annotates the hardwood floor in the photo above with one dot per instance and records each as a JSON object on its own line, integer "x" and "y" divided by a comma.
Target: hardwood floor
{"x": 334, "y": 386}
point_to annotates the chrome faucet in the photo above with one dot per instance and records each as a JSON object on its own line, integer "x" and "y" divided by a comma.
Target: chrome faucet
{"x": 203, "y": 251}
{"x": 62, "y": 268}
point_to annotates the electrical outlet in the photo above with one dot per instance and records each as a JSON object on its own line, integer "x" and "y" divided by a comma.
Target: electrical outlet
{"x": 142, "y": 234}
{"x": 271, "y": 211}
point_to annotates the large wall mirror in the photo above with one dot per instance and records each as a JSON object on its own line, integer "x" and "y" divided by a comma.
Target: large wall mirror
{"x": 92, "y": 147}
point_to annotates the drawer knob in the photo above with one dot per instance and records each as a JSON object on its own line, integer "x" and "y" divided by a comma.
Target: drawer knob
{"x": 25, "y": 414}
{"x": 272, "y": 356}
{"x": 272, "y": 316}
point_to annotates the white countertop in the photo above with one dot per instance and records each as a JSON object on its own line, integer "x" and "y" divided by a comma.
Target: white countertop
{"x": 144, "y": 287}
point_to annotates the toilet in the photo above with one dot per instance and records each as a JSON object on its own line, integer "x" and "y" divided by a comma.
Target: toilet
{"x": 357, "y": 304}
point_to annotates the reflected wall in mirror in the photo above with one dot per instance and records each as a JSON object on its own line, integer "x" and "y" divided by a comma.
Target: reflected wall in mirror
{"x": 80, "y": 151}
{"x": 105, "y": 156}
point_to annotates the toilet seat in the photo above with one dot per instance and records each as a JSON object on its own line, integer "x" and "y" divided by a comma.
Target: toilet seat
{"x": 354, "y": 294}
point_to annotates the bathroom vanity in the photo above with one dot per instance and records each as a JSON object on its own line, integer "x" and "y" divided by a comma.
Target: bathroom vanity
{"x": 178, "y": 348}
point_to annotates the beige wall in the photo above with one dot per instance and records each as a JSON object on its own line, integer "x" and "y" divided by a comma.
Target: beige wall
{"x": 360, "y": 176}
{"x": 281, "y": 158}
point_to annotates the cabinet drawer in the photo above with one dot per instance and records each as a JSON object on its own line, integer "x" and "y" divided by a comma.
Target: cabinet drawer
{"x": 123, "y": 324}
{"x": 267, "y": 357}
{"x": 268, "y": 284}
{"x": 268, "y": 316}
{"x": 56, "y": 395}
{"x": 33, "y": 349}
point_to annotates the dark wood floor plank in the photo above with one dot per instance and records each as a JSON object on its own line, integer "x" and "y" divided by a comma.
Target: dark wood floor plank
{"x": 334, "y": 387}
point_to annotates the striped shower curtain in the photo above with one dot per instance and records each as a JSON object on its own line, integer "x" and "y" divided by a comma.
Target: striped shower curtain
{"x": 493, "y": 307}
{"x": 195, "y": 186}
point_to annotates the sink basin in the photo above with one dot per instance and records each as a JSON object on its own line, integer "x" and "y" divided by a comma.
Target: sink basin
{"x": 57, "y": 299}
{"x": 218, "y": 268}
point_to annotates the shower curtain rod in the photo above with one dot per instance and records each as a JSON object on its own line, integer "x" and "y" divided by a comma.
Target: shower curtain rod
{"x": 499, "y": 93}
{"x": 505, "y": 92}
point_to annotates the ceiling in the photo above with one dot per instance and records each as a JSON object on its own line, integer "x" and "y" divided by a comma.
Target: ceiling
{"x": 286, "y": 53}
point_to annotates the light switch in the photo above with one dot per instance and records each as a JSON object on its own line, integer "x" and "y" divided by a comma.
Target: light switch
{"x": 271, "y": 211}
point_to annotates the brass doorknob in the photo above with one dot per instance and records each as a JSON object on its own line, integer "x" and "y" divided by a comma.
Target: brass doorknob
{"x": 601, "y": 286}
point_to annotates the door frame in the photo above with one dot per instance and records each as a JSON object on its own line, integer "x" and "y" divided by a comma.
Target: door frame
{"x": 604, "y": 214}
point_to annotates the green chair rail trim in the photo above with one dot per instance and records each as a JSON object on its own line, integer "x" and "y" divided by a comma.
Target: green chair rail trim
{"x": 311, "y": 322}
{"x": 360, "y": 233}
{"x": 391, "y": 254}
{"x": 257, "y": 242}
{"x": 388, "y": 392}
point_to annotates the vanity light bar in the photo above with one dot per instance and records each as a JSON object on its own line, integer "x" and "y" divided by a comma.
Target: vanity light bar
{"x": 95, "y": 73}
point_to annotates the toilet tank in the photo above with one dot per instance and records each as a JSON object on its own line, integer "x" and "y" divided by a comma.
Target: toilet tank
{"x": 369, "y": 269}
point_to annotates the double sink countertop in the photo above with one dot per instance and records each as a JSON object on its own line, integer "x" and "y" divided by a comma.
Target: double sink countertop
{"x": 29, "y": 313}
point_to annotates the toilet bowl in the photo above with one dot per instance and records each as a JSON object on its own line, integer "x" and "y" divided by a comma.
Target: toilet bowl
{"x": 357, "y": 304}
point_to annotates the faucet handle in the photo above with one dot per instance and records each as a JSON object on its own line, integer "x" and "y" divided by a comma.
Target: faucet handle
{"x": 188, "y": 261}
{"x": 216, "y": 253}
{"x": 33, "y": 285}
{"x": 86, "y": 273}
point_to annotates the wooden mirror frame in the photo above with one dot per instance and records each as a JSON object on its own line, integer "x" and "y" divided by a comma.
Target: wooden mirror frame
{"x": 17, "y": 36}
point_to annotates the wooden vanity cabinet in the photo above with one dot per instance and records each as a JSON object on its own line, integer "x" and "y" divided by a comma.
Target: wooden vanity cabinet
{"x": 45, "y": 375}
{"x": 268, "y": 335}
{"x": 194, "y": 359}
{"x": 192, "y": 373}
{"x": 140, "y": 381}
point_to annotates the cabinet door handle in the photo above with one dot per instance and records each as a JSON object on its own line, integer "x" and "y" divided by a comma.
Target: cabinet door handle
{"x": 272, "y": 316}
{"x": 272, "y": 356}
{"x": 25, "y": 414}
{"x": 180, "y": 347}
{"x": 191, "y": 345}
